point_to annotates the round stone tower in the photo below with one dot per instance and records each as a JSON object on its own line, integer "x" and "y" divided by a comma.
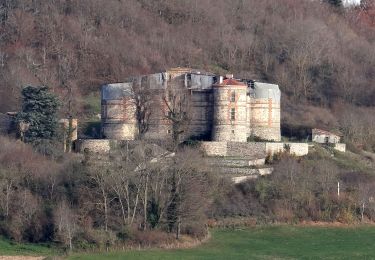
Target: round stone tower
{"x": 118, "y": 112}
{"x": 230, "y": 116}
{"x": 265, "y": 111}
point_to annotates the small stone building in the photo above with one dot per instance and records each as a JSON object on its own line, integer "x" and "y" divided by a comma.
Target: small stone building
{"x": 324, "y": 137}
{"x": 220, "y": 108}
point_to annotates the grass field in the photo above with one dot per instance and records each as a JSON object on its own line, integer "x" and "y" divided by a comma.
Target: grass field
{"x": 276, "y": 242}
{"x": 10, "y": 248}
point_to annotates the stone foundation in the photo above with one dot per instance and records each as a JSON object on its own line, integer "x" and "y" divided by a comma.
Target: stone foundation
{"x": 297, "y": 149}
{"x": 253, "y": 150}
{"x": 93, "y": 145}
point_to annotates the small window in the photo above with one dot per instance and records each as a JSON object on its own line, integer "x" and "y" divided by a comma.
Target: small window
{"x": 233, "y": 96}
{"x": 232, "y": 131}
{"x": 232, "y": 114}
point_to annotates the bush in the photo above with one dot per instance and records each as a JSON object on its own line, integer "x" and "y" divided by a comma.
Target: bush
{"x": 152, "y": 238}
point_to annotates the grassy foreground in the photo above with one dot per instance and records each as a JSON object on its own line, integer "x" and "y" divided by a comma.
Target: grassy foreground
{"x": 276, "y": 242}
{"x": 8, "y": 248}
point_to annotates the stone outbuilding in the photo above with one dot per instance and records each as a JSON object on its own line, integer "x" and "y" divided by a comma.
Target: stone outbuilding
{"x": 324, "y": 137}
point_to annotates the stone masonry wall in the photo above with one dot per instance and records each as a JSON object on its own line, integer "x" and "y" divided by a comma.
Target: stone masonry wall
{"x": 254, "y": 150}
{"x": 230, "y": 113}
{"x": 298, "y": 149}
{"x": 214, "y": 148}
{"x": 93, "y": 145}
{"x": 265, "y": 119}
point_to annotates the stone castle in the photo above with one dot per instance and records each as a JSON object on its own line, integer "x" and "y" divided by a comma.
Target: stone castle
{"x": 220, "y": 108}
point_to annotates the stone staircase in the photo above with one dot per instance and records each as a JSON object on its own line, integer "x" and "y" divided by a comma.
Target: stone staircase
{"x": 240, "y": 169}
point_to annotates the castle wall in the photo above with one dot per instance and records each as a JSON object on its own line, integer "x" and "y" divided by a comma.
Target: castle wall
{"x": 265, "y": 119}
{"x": 297, "y": 149}
{"x": 201, "y": 112}
{"x": 210, "y": 108}
{"x": 118, "y": 119}
{"x": 252, "y": 150}
{"x": 118, "y": 112}
{"x": 214, "y": 148}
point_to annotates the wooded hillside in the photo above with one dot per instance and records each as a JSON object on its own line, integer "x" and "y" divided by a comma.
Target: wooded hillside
{"x": 321, "y": 56}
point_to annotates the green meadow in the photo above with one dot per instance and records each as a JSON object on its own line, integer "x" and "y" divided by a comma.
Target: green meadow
{"x": 274, "y": 242}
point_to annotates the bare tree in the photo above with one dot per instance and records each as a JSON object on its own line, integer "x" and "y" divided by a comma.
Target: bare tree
{"x": 100, "y": 175}
{"x": 143, "y": 101}
{"x": 66, "y": 222}
{"x": 177, "y": 102}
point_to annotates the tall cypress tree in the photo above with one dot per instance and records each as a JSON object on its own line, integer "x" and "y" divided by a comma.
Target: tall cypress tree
{"x": 39, "y": 109}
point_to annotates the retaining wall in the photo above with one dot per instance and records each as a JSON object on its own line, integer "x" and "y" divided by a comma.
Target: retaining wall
{"x": 93, "y": 145}
{"x": 253, "y": 150}
{"x": 297, "y": 149}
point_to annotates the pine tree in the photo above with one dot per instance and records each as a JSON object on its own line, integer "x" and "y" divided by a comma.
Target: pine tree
{"x": 335, "y": 3}
{"x": 39, "y": 109}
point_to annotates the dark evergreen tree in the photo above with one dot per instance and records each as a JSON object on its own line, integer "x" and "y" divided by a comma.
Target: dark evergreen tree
{"x": 335, "y": 3}
{"x": 39, "y": 109}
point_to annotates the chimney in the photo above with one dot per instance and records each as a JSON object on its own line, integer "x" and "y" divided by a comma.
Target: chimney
{"x": 220, "y": 79}
{"x": 229, "y": 76}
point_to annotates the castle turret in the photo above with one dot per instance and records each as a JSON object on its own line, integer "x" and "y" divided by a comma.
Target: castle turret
{"x": 118, "y": 112}
{"x": 230, "y": 118}
{"x": 265, "y": 111}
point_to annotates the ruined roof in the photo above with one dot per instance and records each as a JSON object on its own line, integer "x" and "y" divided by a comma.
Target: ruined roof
{"x": 116, "y": 91}
{"x": 231, "y": 82}
{"x": 265, "y": 91}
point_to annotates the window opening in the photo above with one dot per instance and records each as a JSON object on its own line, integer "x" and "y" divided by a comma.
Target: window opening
{"x": 233, "y": 114}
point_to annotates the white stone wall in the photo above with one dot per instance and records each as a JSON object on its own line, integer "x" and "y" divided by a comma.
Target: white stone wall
{"x": 297, "y": 149}
{"x": 325, "y": 138}
{"x": 340, "y": 147}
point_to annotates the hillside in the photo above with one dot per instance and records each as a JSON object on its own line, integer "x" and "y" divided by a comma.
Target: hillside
{"x": 149, "y": 193}
{"x": 321, "y": 56}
